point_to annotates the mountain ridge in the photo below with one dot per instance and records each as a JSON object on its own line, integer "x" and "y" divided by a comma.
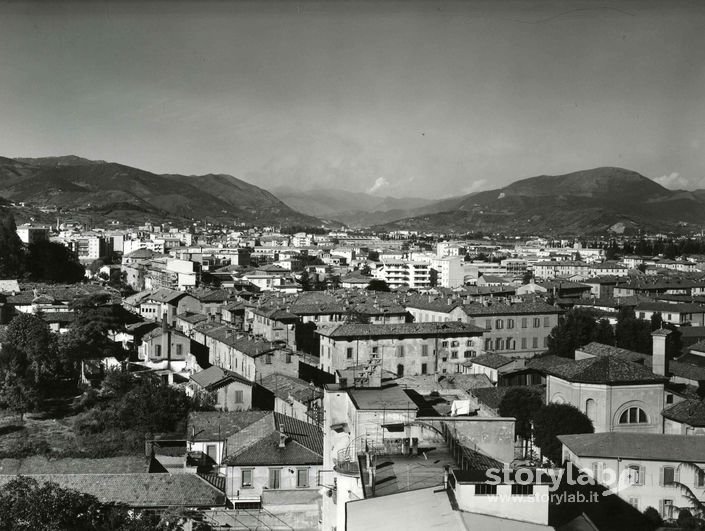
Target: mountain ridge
{"x": 581, "y": 202}
{"x": 115, "y": 190}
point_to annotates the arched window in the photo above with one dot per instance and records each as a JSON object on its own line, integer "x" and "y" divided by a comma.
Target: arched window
{"x": 633, "y": 415}
{"x": 590, "y": 409}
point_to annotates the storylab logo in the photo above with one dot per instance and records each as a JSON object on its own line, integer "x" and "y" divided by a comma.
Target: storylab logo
{"x": 549, "y": 480}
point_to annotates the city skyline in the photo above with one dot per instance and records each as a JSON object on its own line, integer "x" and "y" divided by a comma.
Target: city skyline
{"x": 421, "y": 99}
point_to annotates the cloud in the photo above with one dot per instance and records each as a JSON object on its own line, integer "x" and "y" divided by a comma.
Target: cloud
{"x": 381, "y": 182}
{"x": 475, "y": 186}
{"x": 673, "y": 181}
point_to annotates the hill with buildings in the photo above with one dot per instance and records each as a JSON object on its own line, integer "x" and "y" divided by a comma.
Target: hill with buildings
{"x": 111, "y": 190}
{"x": 583, "y": 202}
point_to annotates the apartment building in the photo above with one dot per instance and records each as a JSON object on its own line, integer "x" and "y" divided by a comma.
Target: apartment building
{"x": 402, "y": 348}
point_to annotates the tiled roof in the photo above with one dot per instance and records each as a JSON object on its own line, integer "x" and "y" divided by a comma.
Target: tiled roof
{"x": 303, "y": 444}
{"x": 609, "y": 370}
{"x": 691, "y": 412}
{"x": 214, "y": 377}
{"x": 229, "y": 336}
{"x": 192, "y": 318}
{"x": 400, "y": 329}
{"x": 646, "y": 446}
{"x": 157, "y": 332}
{"x": 666, "y": 307}
{"x": 58, "y": 317}
{"x": 166, "y": 295}
{"x": 523, "y": 308}
{"x": 600, "y": 349}
{"x": 493, "y": 361}
{"x": 284, "y": 386}
{"x": 37, "y": 464}
{"x": 220, "y": 425}
{"x": 492, "y": 396}
{"x": 544, "y": 363}
{"x": 139, "y": 490}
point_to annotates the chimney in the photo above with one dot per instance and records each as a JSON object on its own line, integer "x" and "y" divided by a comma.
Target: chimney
{"x": 282, "y": 440}
{"x": 659, "y": 362}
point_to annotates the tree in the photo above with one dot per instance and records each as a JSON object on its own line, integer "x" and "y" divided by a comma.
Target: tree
{"x": 30, "y": 335}
{"x": 522, "y": 403}
{"x": 17, "y": 392}
{"x": 377, "y": 285}
{"x": 576, "y": 329}
{"x": 632, "y": 333}
{"x": 27, "y": 504}
{"x": 53, "y": 262}
{"x": 527, "y": 277}
{"x": 604, "y": 333}
{"x": 11, "y": 250}
{"x": 433, "y": 277}
{"x": 653, "y": 516}
{"x": 558, "y": 419}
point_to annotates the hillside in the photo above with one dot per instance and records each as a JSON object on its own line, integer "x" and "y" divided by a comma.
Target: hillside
{"x": 583, "y": 202}
{"x": 351, "y": 208}
{"x": 115, "y": 191}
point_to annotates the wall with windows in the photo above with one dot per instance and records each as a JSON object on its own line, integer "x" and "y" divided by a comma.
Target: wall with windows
{"x": 647, "y": 483}
{"x": 408, "y": 355}
{"x": 248, "y": 482}
{"x": 516, "y": 335}
{"x": 633, "y": 408}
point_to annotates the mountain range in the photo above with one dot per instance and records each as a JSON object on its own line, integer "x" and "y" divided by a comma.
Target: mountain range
{"x": 583, "y": 202}
{"x": 115, "y": 191}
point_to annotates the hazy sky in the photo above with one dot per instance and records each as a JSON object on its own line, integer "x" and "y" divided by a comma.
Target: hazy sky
{"x": 427, "y": 99}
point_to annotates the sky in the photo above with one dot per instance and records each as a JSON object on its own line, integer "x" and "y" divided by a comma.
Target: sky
{"x": 424, "y": 99}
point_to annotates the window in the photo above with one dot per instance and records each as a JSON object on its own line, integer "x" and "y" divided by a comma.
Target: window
{"x": 268, "y": 359}
{"x": 288, "y": 357}
{"x": 535, "y": 342}
{"x": 424, "y": 368}
{"x": 524, "y": 322}
{"x": 700, "y": 478}
{"x": 454, "y": 355}
{"x": 519, "y": 489}
{"x": 523, "y": 342}
{"x": 238, "y": 397}
{"x": 469, "y": 354}
{"x": 668, "y": 475}
{"x": 633, "y": 415}
{"x": 488, "y": 344}
{"x": 400, "y": 351}
{"x": 375, "y": 350}
{"x": 424, "y": 350}
{"x": 212, "y": 452}
{"x": 302, "y": 477}
{"x": 635, "y": 475}
{"x": 484, "y": 489}
{"x": 669, "y": 399}
{"x": 455, "y": 344}
{"x": 634, "y": 502}
{"x": 667, "y": 509}
{"x": 499, "y": 343}
{"x": 537, "y": 322}
{"x": 510, "y": 323}
{"x": 275, "y": 478}
{"x": 179, "y": 350}
{"x": 246, "y": 478}
{"x": 590, "y": 409}
{"x": 488, "y": 324}
{"x": 468, "y": 343}
{"x": 546, "y": 321}
{"x": 157, "y": 351}
{"x": 349, "y": 353}
{"x": 400, "y": 370}
{"x": 499, "y": 324}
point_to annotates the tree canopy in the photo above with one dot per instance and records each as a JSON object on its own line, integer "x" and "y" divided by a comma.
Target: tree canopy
{"x": 522, "y": 403}
{"x": 558, "y": 419}
{"x": 11, "y": 250}
{"x": 576, "y": 329}
{"x": 52, "y": 262}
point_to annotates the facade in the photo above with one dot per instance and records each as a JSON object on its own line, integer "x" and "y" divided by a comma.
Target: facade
{"x": 399, "y": 273}
{"x": 403, "y": 348}
{"x": 230, "y": 391}
{"x": 653, "y": 470}
{"x": 616, "y": 394}
{"x": 30, "y": 234}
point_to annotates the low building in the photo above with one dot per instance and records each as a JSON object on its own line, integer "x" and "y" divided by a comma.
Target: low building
{"x": 230, "y": 391}
{"x": 647, "y": 470}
